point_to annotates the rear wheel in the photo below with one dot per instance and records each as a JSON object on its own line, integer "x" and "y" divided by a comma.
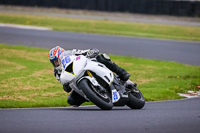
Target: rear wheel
{"x": 93, "y": 93}
{"x": 136, "y": 99}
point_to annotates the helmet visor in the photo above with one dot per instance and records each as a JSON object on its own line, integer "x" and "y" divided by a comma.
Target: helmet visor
{"x": 56, "y": 62}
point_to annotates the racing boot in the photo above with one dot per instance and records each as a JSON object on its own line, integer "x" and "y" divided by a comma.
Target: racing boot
{"x": 123, "y": 74}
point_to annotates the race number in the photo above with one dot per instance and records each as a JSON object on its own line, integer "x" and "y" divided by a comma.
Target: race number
{"x": 65, "y": 61}
{"x": 115, "y": 96}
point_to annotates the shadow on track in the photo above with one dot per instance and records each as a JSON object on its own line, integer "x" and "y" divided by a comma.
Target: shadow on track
{"x": 91, "y": 108}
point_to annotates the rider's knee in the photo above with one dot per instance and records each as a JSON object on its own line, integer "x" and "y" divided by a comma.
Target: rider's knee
{"x": 66, "y": 88}
{"x": 74, "y": 99}
{"x": 103, "y": 58}
{"x": 70, "y": 100}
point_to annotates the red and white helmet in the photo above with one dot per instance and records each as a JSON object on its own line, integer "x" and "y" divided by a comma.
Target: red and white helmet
{"x": 54, "y": 54}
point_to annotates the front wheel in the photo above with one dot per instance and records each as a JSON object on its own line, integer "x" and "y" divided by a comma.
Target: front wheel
{"x": 102, "y": 100}
{"x": 136, "y": 100}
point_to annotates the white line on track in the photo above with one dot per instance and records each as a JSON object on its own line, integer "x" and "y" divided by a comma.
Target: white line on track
{"x": 46, "y": 108}
{"x": 87, "y": 105}
{"x": 172, "y": 100}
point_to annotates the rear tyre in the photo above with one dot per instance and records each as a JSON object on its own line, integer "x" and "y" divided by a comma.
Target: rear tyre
{"x": 136, "y": 100}
{"x": 102, "y": 100}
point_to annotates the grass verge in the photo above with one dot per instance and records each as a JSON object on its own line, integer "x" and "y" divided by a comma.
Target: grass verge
{"x": 106, "y": 27}
{"x": 27, "y": 80}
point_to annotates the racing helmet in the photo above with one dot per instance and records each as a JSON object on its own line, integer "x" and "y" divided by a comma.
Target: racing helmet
{"x": 54, "y": 55}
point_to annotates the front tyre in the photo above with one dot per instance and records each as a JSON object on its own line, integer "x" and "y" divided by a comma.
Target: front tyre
{"x": 102, "y": 100}
{"x": 136, "y": 100}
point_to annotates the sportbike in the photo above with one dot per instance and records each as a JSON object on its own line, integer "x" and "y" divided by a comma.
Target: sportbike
{"x": 96, "y": 83}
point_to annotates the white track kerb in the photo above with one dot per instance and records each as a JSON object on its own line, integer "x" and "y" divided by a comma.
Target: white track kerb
{"x": 25, "y": 27}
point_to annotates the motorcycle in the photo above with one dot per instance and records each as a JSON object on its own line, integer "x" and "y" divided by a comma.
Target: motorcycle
{"x": 96, "y": 83}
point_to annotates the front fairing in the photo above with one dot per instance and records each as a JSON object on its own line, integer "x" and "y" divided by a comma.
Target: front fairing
{"x": 74, "y": 65}
{"x": 71, "y": 67}
{"x": 100, "y": 70}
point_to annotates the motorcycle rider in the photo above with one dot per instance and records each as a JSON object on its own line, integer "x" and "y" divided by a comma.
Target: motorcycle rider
{"x": 57, "y": 53}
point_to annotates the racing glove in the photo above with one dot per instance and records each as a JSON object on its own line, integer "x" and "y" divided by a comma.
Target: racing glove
{"x": 92, "y": 53}
{"x": 57, "y": 74}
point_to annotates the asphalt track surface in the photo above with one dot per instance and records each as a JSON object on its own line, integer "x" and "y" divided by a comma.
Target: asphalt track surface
{"x": 179, "y": 116}
{"x": 179, "y": 51}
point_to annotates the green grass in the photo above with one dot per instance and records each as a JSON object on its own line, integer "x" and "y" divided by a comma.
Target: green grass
{"x": 106, "y": 27}
{"x": 27, "y": 80}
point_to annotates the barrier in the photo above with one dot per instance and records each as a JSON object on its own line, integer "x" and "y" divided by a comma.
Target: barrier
{"x": 157, "y": 7}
